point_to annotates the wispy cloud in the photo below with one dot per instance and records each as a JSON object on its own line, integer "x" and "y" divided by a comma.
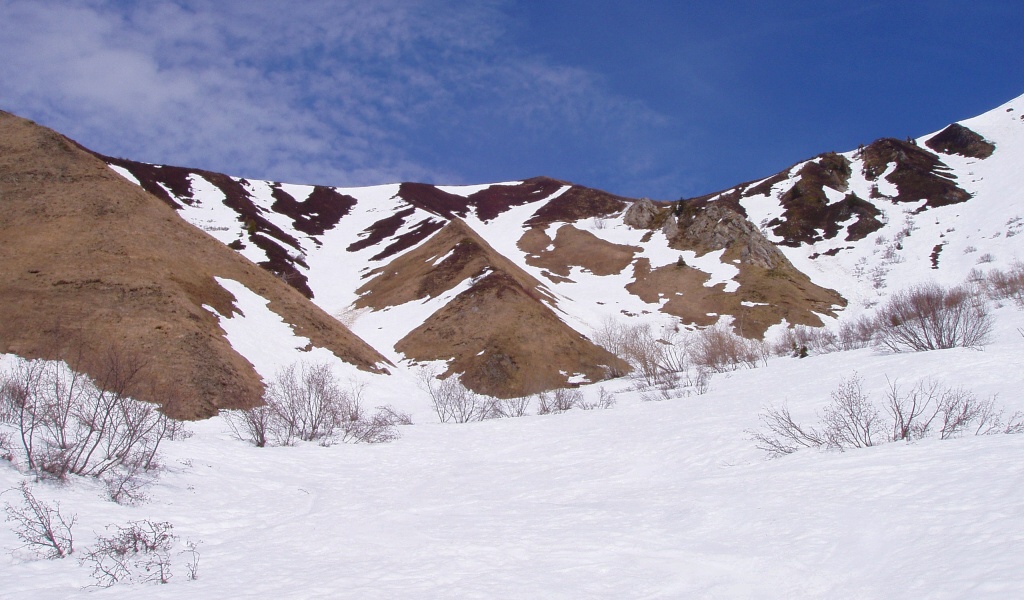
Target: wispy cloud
{"x": 343, "y": 92}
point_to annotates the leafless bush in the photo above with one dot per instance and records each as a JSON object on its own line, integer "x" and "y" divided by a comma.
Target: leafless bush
{"x": 800, "y": 340}
{"x": 719, "y": 349}
{"x": 859, "y": 333}
{"x": 394, "y": 416}
{"x": 6, "y": 446}
{"x": 68, "y": 424}
{"x": 453, "y": 401}
{"x": 45, "y": 531}
{"x": 1005, "y": 285}
{"x": 257, "y": 425}
{"x": 912, "y": 414}
{"x": 852, "y": 420}
{"x": 929, "y": 317}
{"x": 512, "y": 407}
{"x": 192, "y": 566}
{"x": 781, "y": 435}
{"x": 139, "y": 552}
{"x": 683, "y": 384}
{"x": 605, "y": 399}
{"x": 378, "y": 428}
{"x": 307, "y": 402}
{"x": 650, "y": 357}
{"x": 558, "y": 401}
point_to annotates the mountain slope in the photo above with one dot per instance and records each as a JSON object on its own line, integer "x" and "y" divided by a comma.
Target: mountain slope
{"x": 90, "y": 258}
{"x": 829, "y": 238}
{"x": 498, "y": 329}
{"x": 893, "y": 213}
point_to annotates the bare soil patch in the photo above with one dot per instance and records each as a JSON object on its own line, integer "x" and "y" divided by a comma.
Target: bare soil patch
{"x": 573, "y": 247}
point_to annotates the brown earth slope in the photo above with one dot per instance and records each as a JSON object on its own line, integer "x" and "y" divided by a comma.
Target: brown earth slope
{"x": 501, "y": 333}
{"x": 85, "y": 252}
{"x": 770, "y": 287}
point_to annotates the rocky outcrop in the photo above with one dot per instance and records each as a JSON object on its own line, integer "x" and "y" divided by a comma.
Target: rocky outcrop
{"x": 716, "y": 227}
{"x": 957, "y": 139}
{"x": 642, "y": 214}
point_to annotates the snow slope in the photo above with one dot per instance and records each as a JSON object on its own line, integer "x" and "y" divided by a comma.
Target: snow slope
{"x": 645, "y": 500}
{"x": 976, "y": 234}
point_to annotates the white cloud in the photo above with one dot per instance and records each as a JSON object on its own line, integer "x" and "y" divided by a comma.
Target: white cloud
{"x": 343, "y": 92}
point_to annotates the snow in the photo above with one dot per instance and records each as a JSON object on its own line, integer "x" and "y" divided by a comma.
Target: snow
{"x": 123, "y": 172}
{"x": 262, "y": 336}
{"x": 468, "y": 190}
{"x": 647, "y": 499}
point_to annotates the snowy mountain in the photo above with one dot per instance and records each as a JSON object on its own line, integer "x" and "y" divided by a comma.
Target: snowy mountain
{"x": 828, "y": 238}
{"x": 669, "y": 493}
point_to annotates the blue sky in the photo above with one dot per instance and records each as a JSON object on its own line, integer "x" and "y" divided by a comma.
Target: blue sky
{"x": 657, "y": 99}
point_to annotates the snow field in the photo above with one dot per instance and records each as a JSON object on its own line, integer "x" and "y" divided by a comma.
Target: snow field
{"x": 646, "y": 500}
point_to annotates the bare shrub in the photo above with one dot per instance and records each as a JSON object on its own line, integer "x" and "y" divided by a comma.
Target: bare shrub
{"x": 781, "y": 435}
{"x": 859, "y": 333}
{"x": 851, "y": 420}
{"x": 453, "y": 401}
{"x": 912, "y": 414}
{"x": 43, "y": 529}
{"x": 1006, "y": 285}
{"x": 137, "y": 553}
{"x": 68, "y": 424}
{"x": 395, "y": 416}
{"x": 307, "y": 402}
{"x": 378, "y": 428}
{"x": 957, "y": 411}
{"x": 511, "y": 407}
{"x": 800, "y": 340}
{"x": 929, "y": 317}
{"x": 719, "y": 349}
{"x": 605, "y": 400}
{"x": 6, "y": 446}
{"x": 653, "y": 359}
{"x": 257, "y": 425}
{"x": 192, "y": 566}
{"x": 558, "y": 401}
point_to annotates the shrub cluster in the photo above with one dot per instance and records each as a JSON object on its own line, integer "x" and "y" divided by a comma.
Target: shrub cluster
{"x": 923, "y": 317}
{"x": 139, "y": 552}
{"x": 676, "y": 364}
{"x": 853, "y": 420}
{"x": 307, "y": 402}
{"x": 64, "y": 423}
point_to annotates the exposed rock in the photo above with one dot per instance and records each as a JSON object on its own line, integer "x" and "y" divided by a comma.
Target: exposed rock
{"x": 714, "y": 227}
{"x": 919, "y": 174}
{"x": 770, "y": 289}
{"x": 957, "y": 139}
{"x": 642, "y": 214}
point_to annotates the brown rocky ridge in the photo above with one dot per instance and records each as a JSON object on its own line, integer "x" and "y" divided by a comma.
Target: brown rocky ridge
{"x": 770, "y": 287}
{"x": 88, "y": 256}
{"x": 500, "y": 333}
